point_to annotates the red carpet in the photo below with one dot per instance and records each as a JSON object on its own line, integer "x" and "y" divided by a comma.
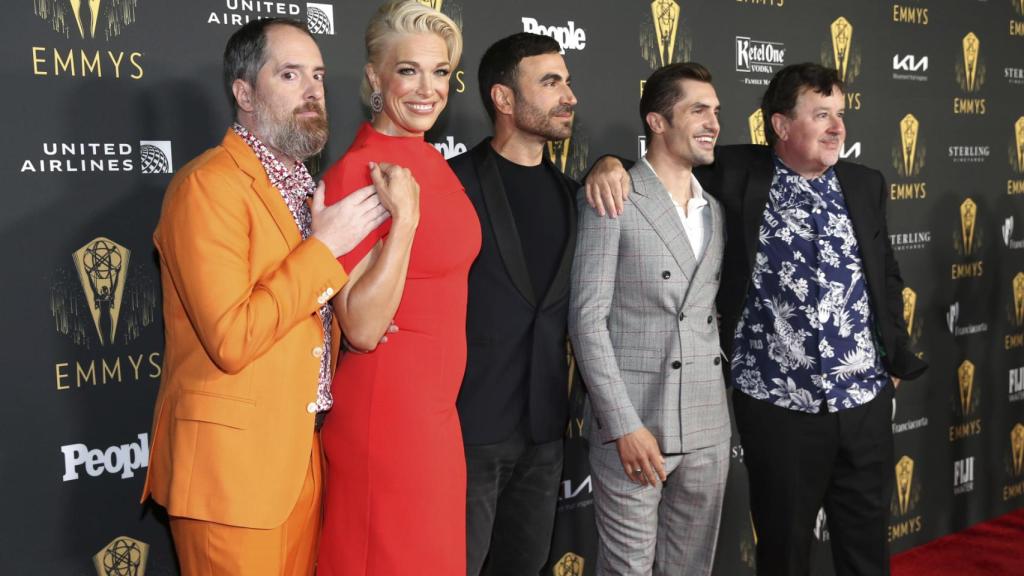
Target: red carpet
{"x": 993, "y": 548}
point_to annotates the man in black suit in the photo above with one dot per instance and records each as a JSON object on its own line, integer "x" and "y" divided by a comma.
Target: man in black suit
{"x": 514, "y": 399}
{"x": 812, "y": 322}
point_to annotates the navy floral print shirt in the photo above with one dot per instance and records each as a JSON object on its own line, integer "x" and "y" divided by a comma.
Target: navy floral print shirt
{"x": 805, "y": 337}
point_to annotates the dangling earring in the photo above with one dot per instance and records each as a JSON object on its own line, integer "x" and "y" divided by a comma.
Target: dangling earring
{"x": 376, "y": 102}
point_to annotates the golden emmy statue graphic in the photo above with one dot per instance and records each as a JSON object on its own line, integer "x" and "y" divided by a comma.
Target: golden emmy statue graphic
{"x": 1017, "y": 445}
{"x": 965, "y": 380}
{"x": 909, "y": 304}
{"x": 842, "y": 36}
{"x": 1018, "y": 298}
{"x": 666, "y": 25}
{"x": 971, "y": 45}
{"x": 908, "y": 138}
{"x": 756, "y": 123}
{"x": 1018, "y": 133}
{"x": 904, "y": 477}
{"x": 102, "y": 266}
{"x": 968, "y": 217}
{"x": 569, "y": 565}
{"x": 123, "y": 555}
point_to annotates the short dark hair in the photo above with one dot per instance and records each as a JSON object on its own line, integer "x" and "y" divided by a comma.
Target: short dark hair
{"x": 662, "y": 89}
{"x": 786, "y": 86}
{"x": 500, "y": 63}
{"x": 246, "y": 52}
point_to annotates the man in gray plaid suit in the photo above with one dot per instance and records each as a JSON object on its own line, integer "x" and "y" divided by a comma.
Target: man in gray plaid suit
{"x": 643, "y": 325}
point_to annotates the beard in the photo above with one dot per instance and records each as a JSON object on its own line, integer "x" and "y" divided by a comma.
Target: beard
{"x": 533, "y": 120}
{"x": 297, "y": 138}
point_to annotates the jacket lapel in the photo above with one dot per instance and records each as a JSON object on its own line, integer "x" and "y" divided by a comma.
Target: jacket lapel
{"x": 560, "y": 283}
{"x": 249, "y": 163}
{"x": 864, "y": 220}
{"x": 499, "y": 214}
{"x": 653, "y": 201}
{"x": 713, "y": 237}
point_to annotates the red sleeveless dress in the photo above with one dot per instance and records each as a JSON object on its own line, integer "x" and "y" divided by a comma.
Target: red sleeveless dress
{"x": 395, "y": 489}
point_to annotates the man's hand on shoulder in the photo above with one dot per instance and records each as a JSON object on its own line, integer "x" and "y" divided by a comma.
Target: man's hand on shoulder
{"x": 342, "y": 226}
{"x": 607, "y": 187}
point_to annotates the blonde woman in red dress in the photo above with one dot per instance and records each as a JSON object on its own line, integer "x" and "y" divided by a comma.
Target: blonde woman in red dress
{"x": 395, "y": 487}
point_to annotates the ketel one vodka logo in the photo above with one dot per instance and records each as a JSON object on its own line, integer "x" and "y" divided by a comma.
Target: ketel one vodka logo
{"x": 87, "y": 17}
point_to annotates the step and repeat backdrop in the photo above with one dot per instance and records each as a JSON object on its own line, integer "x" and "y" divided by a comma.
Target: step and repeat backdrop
{"x": 105, "y": 99}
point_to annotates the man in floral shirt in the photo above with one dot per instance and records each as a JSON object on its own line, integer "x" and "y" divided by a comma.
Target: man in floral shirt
{"x": 811, "y": 295}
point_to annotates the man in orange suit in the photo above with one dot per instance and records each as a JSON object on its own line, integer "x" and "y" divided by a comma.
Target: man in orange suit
{"x": 247, "y": 268}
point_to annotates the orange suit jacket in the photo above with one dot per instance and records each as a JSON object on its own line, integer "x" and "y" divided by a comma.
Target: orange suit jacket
{"x": 233, "y": 424}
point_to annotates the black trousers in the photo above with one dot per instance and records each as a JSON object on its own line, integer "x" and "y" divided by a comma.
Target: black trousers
{"x": 799, "y": 462}
{"x": 511, "y": 495}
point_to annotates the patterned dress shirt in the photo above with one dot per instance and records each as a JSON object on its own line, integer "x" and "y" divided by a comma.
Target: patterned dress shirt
{"x": 295, "y": 186}
{"x": 805, "y": 337}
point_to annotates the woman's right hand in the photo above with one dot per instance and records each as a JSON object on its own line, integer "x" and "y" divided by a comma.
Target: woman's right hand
{"x": 398, "y": 191}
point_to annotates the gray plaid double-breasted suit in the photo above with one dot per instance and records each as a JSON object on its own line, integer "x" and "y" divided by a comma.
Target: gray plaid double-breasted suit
{"x": 645, "y": 334}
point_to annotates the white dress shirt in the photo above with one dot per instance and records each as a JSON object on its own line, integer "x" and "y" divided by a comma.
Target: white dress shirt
{"x": 693, "y": 217}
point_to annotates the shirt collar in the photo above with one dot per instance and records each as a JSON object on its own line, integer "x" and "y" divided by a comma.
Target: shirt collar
{"x": 696, "y": 190}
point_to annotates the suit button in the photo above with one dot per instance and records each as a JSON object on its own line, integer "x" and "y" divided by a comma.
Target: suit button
{"x": 330, "y": 291}
{"x": 709, "y": 319}
{"x": 666, "y": 274}
{"x": 717, "y": 360}
{"x": 311, "y": 407}
{"x": 682, "y": 316}
{"x": 676, "y": 364}
{"x": 318, "y": 352}
{"x": 321, "y": 300}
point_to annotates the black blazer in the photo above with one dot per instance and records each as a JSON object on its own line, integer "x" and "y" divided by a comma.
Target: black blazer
{"x": 516, "y": 338}
{"x": 740, "y": 179}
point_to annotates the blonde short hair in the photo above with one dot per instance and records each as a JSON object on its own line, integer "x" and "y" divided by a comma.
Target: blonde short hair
{"x": 407, "y": 17}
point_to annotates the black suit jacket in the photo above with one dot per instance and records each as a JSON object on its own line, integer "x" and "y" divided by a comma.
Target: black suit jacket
{"x": 740, "y": 179}
{"x": 516, "y": 338}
